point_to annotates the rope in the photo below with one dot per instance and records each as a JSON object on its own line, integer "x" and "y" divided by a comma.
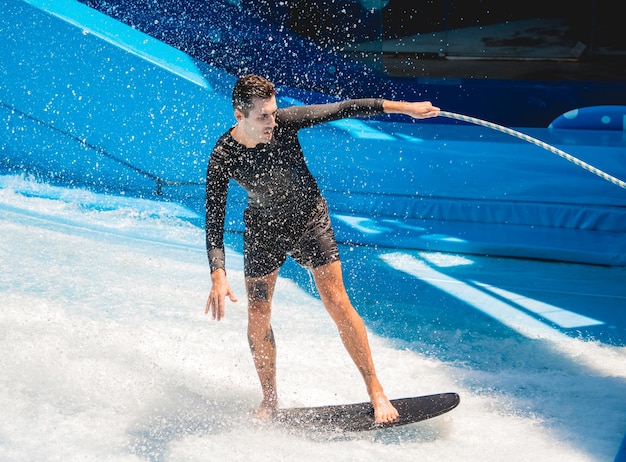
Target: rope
{"x": 541, "y": 144}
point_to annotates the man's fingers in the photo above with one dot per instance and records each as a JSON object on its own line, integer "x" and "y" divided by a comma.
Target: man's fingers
{"x": 218, "y": 308}
{"x": 212, "y": 305}
{"x": 216, "y": 304}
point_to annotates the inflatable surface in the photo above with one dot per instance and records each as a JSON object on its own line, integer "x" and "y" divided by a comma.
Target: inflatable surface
{"x": 86, "y": 100}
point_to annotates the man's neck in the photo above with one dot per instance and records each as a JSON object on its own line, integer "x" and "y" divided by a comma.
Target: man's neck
{"x": 240, "y": 137}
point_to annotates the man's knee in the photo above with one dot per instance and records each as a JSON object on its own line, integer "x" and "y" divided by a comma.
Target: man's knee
{"x": 258, "y": 291}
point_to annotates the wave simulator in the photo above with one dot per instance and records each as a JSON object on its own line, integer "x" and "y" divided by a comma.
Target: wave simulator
{"x": 106, "y": 132}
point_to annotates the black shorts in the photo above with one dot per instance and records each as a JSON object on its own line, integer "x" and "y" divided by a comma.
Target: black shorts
{"x": 267, "y": 243}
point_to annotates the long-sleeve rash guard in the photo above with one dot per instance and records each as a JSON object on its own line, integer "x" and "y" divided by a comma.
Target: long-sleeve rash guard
{"x": 275, "y": 175}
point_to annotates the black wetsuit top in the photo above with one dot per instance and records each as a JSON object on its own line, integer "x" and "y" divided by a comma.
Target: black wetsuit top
{"x": 279, "y": 184}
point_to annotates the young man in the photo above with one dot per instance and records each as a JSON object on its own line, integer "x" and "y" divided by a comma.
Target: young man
{"x": 286, "y": 215}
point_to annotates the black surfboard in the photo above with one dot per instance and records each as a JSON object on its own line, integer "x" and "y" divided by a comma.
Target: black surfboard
{"x": 360, "y": 416}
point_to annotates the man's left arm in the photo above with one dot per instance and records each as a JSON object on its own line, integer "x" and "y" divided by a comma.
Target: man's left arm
{"x": 417, "y": 110}
{"x": 307, "y": 116}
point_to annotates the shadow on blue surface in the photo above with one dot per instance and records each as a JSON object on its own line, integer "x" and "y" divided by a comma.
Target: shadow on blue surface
{"x": 430, "y": 300}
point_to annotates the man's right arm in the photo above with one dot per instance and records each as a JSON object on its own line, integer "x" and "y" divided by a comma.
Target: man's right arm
{"x": 217, "y": 178}
{"x": 215, "y": 205}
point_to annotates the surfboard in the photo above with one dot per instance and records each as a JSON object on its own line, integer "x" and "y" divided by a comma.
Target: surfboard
{"x": 360, "y": 416}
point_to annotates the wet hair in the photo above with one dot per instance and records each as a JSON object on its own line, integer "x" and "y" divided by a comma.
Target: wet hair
{"x": 248, "y": 87}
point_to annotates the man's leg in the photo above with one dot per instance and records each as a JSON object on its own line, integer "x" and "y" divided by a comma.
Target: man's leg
{"x": 329, "y": 282}
{"x": 261, "y": 338}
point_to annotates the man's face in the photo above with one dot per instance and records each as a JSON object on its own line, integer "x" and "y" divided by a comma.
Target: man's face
{"x": 259, "y": 125}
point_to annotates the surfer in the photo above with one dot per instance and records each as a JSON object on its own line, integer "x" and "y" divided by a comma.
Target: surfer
{"x": 286, "y": 215}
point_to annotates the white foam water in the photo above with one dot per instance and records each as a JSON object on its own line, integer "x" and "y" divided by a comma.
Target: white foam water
{"x": 107, "y": 355}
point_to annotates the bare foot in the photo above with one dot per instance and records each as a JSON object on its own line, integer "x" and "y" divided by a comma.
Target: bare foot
{"x": 263, "y": 414}
{"x": 266, "y": 410}
{"x": 384, "y": 412}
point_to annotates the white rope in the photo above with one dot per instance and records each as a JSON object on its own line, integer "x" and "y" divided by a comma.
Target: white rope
{"x": 530, "y": 139}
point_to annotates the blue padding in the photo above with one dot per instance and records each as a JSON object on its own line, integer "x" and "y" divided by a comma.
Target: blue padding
{"x": 593, "y": 118}
{"x": 537, "y": 242}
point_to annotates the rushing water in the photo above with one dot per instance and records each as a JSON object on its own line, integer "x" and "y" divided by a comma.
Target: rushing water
{"x": 107, "y": 353}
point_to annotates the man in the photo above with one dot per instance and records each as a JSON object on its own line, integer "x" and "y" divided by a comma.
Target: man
{"x": 286, "y": 215}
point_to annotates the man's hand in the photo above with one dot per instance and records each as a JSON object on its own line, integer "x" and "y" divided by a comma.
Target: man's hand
{"x": 220, "y": 289}
{"x": 417, "y": 110}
